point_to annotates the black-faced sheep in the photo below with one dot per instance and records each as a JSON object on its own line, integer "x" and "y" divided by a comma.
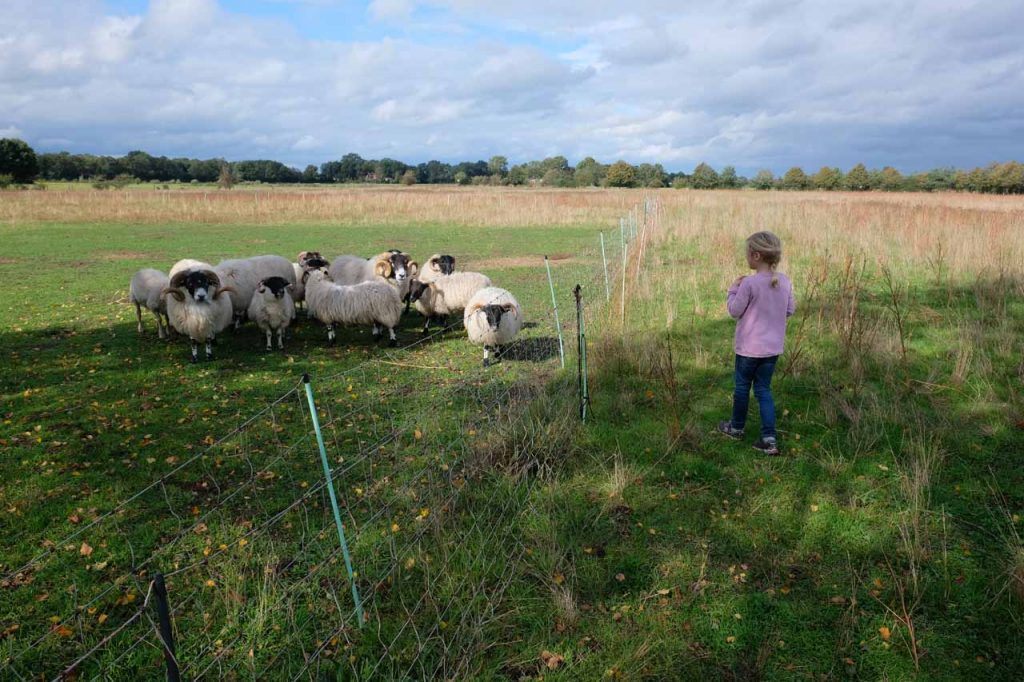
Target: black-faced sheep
{"x": 446, "y": 295}
{"x": 272, "y": 308}
{"x": 492, "y": 318}
{"x": 438, "y": 265}
{"x": 375, "y": 302}
{"x": 144, "y": 291}
{"x": 198, "y": 306}
{"x": 396, "y": 268}
{"x": 244, "y": 275}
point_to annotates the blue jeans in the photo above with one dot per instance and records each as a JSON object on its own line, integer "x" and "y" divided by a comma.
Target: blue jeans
{"x": 756, "y": 371}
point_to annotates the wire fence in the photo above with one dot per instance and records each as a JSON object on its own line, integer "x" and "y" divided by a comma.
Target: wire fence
{"x": 429, "y": 470}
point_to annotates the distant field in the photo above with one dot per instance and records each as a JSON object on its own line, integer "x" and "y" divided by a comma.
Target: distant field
{"x": 495, "y": 538}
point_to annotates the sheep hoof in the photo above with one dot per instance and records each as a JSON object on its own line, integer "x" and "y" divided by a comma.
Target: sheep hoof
{"x": 392, "y": 343}
{"x": 487, "y": 363}
{"x": 193, "y": 359}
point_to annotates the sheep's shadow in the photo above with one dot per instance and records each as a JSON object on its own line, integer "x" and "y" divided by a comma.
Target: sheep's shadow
{"x": 533, "y": 349}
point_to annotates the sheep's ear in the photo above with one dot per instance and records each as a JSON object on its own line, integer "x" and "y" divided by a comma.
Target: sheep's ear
{"x": 383, "y": 268}
{"x": 475, "y": 308}
{"x": 212, "y": 276}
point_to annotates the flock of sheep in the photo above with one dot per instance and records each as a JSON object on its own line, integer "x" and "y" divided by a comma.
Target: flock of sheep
{"x": 199, "y": 300}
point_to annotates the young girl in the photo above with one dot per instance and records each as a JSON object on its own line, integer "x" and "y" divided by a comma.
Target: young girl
{"x": 760, "y": 303}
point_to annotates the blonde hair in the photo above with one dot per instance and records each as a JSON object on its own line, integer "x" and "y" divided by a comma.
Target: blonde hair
{"x": 769, "y": 247}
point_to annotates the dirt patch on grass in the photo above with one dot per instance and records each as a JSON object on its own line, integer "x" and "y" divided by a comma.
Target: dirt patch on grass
{"x": 521, "y": 261}
{"x": 8, "y": 261}
{"x": 127, "y": 255}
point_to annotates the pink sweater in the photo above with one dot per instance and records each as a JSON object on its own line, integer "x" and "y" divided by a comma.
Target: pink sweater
{"x": 762, "y": 312}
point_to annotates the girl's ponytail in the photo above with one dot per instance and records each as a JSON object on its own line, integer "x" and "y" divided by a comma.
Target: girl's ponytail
{"x": 770, "y": 248}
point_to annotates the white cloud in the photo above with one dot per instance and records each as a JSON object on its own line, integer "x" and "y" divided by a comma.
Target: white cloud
{"x": 748, "y": 82}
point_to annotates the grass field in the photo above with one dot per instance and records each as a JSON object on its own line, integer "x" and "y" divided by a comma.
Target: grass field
{"x": 495, "y": 537}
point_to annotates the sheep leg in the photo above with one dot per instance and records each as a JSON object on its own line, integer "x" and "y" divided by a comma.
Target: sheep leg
{"x": 426, "y": 323}
{"x": 487, "y": 356}
{"x": 195, "y": 351}
{"x": 393, "y": 338}
{"x": 330, "y": 333}
{"x": 159, "y": 325}
{"x": 238, "y": 320}
{"x": 270, "y": 342}
{"x": 280, "y": 338}
{"x": 167, "y": 326}
{"x": 376, "y": 332}
{"x": 138, "y": 314}
{"x": 209, "y": 348}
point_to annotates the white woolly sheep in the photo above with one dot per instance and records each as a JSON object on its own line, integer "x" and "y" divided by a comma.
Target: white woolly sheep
{"x": 446, "y": 295}
{"x": 244, "y": 275}
{"x": 198, "y": 306}
{"x": 272, "y": 309}
{"x": 492, "y": 318}
{"x": 145, "y": 291}
{"x": 375, "y": 302}
{"x": 395, "y": 267}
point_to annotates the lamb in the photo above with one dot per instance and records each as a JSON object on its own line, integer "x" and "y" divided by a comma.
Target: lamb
{"x": 395, "y": 267}
{"x": 196, "y": 304}
{"x": 375, "y": 302}
{"x": 446, "y": 295}
{"x": 144, "y": 290}
{"x": 244, "y": 275}
{"x": 492, "y": 318}
{"x": 272, "y": 308}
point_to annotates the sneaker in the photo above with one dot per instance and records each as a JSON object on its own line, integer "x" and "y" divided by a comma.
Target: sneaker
{"x": 728, "y": 429}
{"x": 767, "y": 445}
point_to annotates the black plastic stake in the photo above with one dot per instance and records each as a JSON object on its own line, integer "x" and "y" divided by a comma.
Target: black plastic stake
{"x": 166, "y": 633}
{"x": 581, "y": 355}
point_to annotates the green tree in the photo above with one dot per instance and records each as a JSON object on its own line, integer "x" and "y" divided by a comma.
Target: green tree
{"x": 462, "y": 177}
{"x": 498, "y": 165}
{"x": 828, "y": 179}
{"x": 648, "y": 175}
{"x": 728, "y": 179}
{"x": 589, "y": 173}
{"x": 408, "y": 178}
{"x": 795, "y": 179}
{"x": 310, "y": 174}
{"x": 518, "y": 175}
{"x": 621, "y": 174}
{"x": 18, "y": 160}
{"x": 704, "y": 177}
{"x": 764, "y": 179}
{"x": 890, "y": 180}
{"x": 858, "y": 179}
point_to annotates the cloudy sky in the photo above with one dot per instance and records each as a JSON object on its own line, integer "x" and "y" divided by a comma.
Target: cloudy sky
{"x": 751, "y": 83}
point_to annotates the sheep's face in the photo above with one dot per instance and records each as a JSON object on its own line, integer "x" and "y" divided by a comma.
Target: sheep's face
{"x": 493, "y": 313}
{"x": 307, "y": 256}
{"x": 200, "y": 285}
{"x": 274, "y": 286}
{"x": 417, "y": 289}
{"x": 400, "y": 266}
{"x": 444, "y": 265}
{"x": 314, "y": 263}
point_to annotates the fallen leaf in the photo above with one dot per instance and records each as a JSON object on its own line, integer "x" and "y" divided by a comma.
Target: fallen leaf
{"x": 211, "y": 583}
{"x": 102, "y": 619}
{"x": 814, "y": 507}
{"x": 620, "y": 577}
{"x": 559, "y": 578}
{"x": 730, "y": 639}
{"x": 552, "y": 661}
{"x": 886, "y": 634}
{"x": 85, "y": 549}
{"x": 838, "y": 600}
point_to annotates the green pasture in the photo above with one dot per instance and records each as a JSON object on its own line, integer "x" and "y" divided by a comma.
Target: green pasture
{"x": 512, "y": 543}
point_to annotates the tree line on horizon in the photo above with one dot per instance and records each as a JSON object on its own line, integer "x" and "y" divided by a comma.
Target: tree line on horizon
{"x": 20, "y": 164}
